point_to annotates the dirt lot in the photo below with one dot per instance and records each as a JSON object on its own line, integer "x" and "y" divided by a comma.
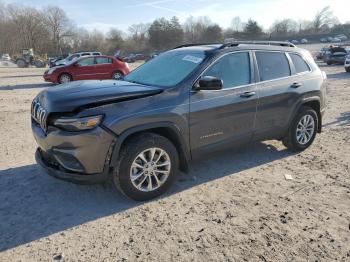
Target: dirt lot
{"x": 232, "y": 206}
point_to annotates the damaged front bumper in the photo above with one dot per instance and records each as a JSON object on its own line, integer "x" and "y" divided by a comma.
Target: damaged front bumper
{"x": 74, "y": 156}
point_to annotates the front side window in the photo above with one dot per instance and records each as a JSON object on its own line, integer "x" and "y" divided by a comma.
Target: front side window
{"x": 167, "y": 69}
{"x": 87, "y": 61}
{"x": 272, "y": 65}
{"x": 103, "y": 60}
{"x": 233, "y": 69}
{"x": 299, "y": 64}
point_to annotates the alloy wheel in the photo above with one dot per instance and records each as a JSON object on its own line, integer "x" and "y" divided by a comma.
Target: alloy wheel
{"x": 64, "y": 79}
{"x": 305, "y": 129}
{"x": 117, "y": 76}
{"x": 150, "y": 169}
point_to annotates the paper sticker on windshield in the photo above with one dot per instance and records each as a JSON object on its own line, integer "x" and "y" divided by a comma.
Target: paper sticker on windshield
{"x": 192, "y": 59}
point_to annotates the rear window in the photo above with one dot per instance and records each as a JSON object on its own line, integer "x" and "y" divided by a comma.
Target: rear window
{"x": 299, "y": 63}
{"x": 272, "y": 65}
{"x": 103, "y": 60}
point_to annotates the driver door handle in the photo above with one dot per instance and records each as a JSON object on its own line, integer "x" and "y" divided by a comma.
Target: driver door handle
{"x": 296, "y": 85}
{"x": 247, "y": 94}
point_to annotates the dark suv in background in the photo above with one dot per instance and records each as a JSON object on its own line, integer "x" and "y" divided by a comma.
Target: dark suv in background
{"x": 178, "y": 106}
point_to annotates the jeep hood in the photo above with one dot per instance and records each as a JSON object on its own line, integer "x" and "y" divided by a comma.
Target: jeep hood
{"x": 81, "y": 94}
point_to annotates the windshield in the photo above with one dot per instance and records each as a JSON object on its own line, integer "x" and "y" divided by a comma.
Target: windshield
{"x": 167, "y": 69}
{"x": 72, "y": 57}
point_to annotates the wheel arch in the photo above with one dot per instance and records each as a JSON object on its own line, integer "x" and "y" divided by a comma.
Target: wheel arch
{"x": 165, "y": 129}
{"x": 315, "y": 104}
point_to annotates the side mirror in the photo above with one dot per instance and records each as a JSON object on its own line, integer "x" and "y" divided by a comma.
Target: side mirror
{"x": 208, "y": 83}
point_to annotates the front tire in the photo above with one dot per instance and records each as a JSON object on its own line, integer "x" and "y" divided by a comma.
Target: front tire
{"x": 302, "y": 130}
{"x": 147, "y": 167}
{"x": 64, "y": 78}
{"x": 347, "y": 69}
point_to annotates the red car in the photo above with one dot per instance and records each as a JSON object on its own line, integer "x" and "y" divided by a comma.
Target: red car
{"x": 87, "y": 68}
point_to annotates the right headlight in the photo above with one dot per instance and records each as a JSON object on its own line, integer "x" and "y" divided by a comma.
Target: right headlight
{"x": 78, "y": 124}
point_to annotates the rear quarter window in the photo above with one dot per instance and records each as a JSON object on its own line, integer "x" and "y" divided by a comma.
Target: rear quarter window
{"x": 272, "y": 65}
{"x": 299, "y": 63}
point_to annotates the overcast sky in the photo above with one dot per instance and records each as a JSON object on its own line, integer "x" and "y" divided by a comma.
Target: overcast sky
{"x": 105, "y": 14}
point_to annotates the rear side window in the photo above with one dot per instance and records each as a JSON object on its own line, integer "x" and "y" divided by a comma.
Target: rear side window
{"x": 272, "y": 65}
{"x": 85, "y": 54}
{"x": 299, "y": 63}
{"x": 96, "y": 53}
{"x": 233, "y": 69}
{"x": 103, "y": 60}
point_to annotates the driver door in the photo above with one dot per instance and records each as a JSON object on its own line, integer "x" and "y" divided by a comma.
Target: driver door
{"x": 222, "y": 117}
{"x": 84, "y": 69}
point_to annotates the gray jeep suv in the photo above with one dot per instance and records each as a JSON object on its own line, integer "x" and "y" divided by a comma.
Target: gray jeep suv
{"x": 185, "y": 102}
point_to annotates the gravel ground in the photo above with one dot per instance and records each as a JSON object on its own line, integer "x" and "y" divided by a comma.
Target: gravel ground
{"x": 232, "y": 206}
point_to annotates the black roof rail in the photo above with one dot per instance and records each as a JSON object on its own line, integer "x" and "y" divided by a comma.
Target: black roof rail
{"x": 199, "y": 44}
{"x": 275, "y": 43}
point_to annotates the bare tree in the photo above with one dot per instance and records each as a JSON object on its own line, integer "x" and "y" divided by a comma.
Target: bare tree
{"x": 194, "y": 28}
{"x": 236, "y": 24}
{"x": 138, "y": 34}
{"x": 323, "y": 19}
{"x": 59, "y": 26}
{"x": 284, "y": 27}
{"x": 28, "y": 28}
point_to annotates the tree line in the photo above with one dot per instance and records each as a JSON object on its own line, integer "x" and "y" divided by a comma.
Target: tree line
{"x": 50, "y": 31}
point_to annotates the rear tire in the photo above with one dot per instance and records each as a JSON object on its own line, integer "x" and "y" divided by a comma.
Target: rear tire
{"x": 142, "y": 173}
{"x": 347, "y": 69}
{"x": 302, "y": 130}
{"x": 64, "y": 78}
{"x": 117, "y": 75}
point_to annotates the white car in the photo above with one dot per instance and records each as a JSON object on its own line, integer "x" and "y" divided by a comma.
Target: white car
{"x": 336, "y": 40}
{"x": 74, "y": 57}
{"x": 342, "y": 37}
{"x": 304, "y": 41}
{"x": 6, "y": 57}
{"x": 347, "y": 64}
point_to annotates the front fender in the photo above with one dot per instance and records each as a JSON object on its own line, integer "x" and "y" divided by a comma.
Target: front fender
{"x": 178, "y": 137}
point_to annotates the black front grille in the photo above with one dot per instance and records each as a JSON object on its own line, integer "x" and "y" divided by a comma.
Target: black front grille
{"x": 39, "y": 114}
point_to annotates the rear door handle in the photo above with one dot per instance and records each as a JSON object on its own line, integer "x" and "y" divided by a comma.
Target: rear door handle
{"x": 296, "y": 85}
{"x": 247, "y": 94}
